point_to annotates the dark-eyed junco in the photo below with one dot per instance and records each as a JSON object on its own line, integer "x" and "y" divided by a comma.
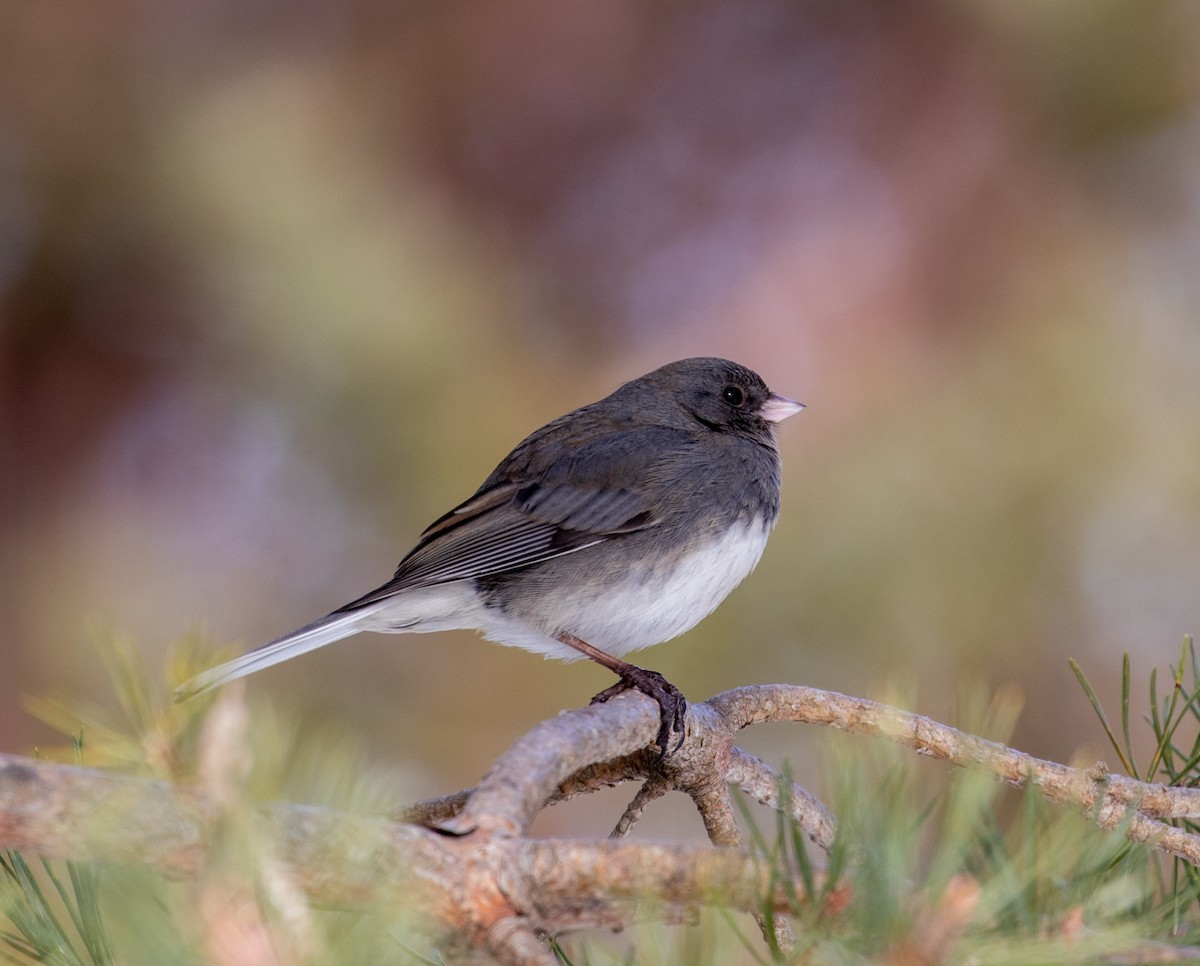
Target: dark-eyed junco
{"x": 617, "y": 526}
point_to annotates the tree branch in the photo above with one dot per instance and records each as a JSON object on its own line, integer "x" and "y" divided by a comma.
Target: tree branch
{"x": 463, "y": 864}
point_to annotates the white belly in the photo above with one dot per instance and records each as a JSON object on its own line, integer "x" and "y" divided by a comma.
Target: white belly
{"x": 643, "y": 613}
{"x": 653, "y": 606}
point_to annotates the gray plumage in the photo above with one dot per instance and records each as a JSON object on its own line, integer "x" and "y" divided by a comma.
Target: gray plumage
{"x": 622, "y": 523}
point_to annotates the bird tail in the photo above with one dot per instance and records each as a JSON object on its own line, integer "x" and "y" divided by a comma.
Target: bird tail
{"x": 326, "y": 630}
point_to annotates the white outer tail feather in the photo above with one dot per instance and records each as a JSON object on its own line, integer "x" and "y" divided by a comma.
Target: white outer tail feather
{"x": 320, "y": 632}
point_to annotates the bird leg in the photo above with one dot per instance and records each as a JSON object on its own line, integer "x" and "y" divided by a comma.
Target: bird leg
{"x": 671, "y": 703}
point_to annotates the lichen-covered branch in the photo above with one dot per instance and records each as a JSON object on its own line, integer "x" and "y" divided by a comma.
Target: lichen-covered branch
{"x": 1105, "y": 798}
{"x": 464, "y": 865}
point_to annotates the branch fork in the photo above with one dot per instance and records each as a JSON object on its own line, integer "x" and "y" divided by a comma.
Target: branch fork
{"x": 476, "y": 881}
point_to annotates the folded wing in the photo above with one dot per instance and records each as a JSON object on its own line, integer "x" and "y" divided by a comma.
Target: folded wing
{"x": 510, "y": 527}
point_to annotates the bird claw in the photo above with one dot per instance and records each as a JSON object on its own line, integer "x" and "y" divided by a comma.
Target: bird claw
{"x": 672, "y": 705}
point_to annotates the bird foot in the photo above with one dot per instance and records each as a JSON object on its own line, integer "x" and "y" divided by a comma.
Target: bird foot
{"x": 672, "y": 705}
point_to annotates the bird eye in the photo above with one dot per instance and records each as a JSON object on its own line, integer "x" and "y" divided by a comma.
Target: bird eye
{"x": 732, "y": 395}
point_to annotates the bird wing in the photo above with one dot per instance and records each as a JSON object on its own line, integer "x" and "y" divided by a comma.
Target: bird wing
{"x": 514, "y": 525}
{"x": 499, "y": 528}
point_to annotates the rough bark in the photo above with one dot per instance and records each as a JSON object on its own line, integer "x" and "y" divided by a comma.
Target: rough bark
{"x": 464, "y": 867}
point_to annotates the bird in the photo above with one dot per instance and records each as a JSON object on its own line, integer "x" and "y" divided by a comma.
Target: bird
{"x": 615, "y": 527}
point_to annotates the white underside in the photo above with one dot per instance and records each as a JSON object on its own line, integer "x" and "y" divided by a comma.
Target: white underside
{"x": 647, "y": 607}
{"x": 617, "y": 620}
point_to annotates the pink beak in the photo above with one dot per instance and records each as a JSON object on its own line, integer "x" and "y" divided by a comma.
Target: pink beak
{"x": 778, "y": 408}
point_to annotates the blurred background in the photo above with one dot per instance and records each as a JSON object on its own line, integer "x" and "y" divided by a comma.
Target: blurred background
{"x": 281, "y": 283}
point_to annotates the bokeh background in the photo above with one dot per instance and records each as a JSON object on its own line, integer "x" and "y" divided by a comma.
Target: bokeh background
{"x": 280, "y": 283}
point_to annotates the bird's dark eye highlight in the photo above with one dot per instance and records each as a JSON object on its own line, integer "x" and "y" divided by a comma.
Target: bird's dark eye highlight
{"x": 732, "y": 395}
